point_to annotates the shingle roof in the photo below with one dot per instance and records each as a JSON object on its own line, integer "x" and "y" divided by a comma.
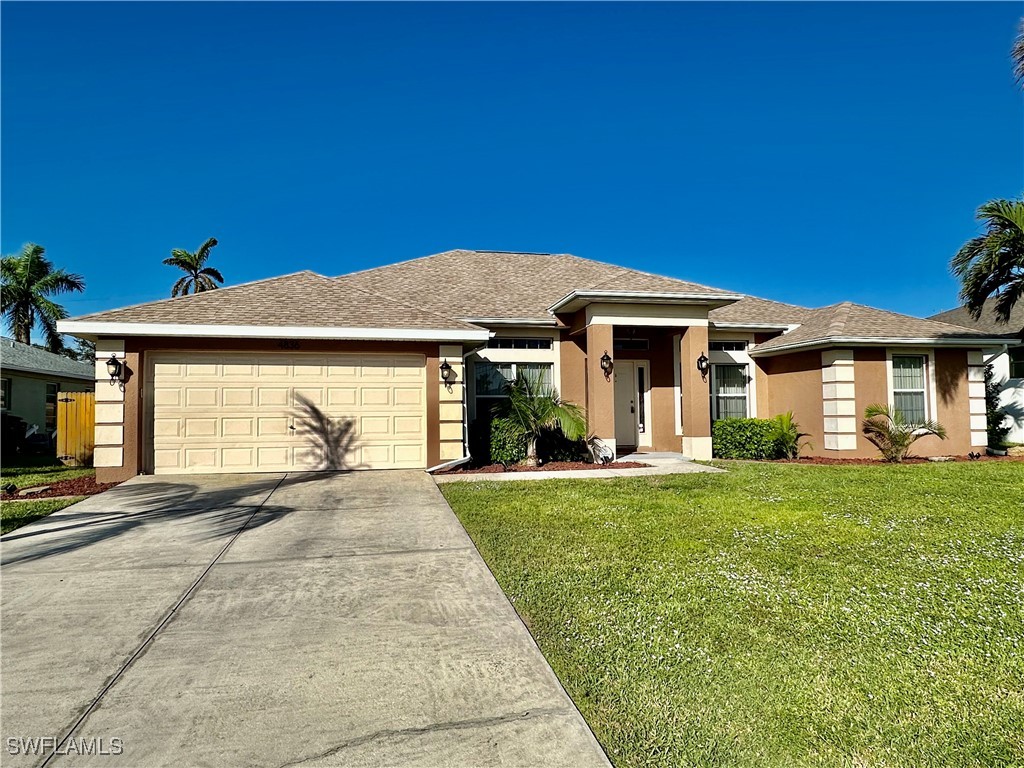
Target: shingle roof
{"x": 499, "y": 284}
{"x": 847, "y": 322}
{"x": 987, "y": 323}
{"x": 758, "y": 311}
{"x": 16, "y": 356}
{"x": 303, "y": 299}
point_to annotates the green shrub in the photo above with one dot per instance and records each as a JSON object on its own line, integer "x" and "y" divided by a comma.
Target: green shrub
{"x": 508, "y": 444}
{"x": 744, "y": 439}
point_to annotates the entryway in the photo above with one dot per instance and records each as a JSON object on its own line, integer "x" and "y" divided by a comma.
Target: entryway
{"x": 632, "y": 404}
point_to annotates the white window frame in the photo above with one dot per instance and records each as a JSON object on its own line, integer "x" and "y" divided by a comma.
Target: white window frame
{"x": 6, "y": 388}
{"x": 515, "y": 374}
{"x": 714, "y": 385}
{"x": 930, "y": 396}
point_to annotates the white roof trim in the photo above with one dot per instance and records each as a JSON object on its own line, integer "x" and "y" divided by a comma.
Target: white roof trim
{"x": 784, "y": 327}
{"x": 96, "y": 328}
{"x": 643, "y": 297}
{"x": 839, "y": 341}
{"x": 528, "y": 321}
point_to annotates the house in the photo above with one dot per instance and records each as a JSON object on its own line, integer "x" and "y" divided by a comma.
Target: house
{"x": 242, "y": 378}
{"x": 32, "y": 378}
{"x": 1007, "y": 359}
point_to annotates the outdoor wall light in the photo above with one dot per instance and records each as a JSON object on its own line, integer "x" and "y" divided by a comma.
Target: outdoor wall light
{"x": 703, "y": 364}
{"x": 115, "y": 369}
{"x": 446, "y": 372}
{"x": 606, "y": 364}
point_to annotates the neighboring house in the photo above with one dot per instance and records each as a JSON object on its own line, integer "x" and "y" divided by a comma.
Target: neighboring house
{"x": 1007, "y": 359}
{"x": 215, "y": 382}
{"x": 32, "y": 378}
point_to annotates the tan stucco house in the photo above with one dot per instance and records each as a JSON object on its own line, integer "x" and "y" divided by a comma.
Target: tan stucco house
{"x": 232, "y": 380}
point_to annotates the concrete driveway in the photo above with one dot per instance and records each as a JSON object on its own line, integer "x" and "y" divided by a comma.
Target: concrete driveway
{"x": 270, "y": 620}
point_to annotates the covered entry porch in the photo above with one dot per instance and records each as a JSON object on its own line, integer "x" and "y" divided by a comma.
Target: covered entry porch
{"x": 639, "y": 379}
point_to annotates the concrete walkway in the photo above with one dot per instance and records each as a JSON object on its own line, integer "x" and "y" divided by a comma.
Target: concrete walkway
{"x": 271, "y": 620}
{"x": 662, "y": 463}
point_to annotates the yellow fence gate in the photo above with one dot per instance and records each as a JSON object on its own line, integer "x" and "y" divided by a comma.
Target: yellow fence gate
{"x": 76, "y": 420}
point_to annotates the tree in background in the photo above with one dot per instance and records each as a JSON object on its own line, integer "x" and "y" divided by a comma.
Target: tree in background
{"x": 198, "y": 277}
{"x": 993, "y": 263}
{"x": 1017, "y": 54}
{"x": 27, "y": 281}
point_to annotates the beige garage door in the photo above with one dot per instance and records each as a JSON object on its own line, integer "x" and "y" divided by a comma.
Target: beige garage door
{"x": 222, "y": 412}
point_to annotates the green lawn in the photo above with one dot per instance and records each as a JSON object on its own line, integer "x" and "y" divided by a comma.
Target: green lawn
{"x": 14, "y": 514}
{"x": 36, "y": 470}
{"x": 776, "y": 615}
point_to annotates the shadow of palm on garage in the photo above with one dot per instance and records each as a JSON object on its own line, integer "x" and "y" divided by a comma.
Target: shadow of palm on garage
{"x": 212, "y": 506}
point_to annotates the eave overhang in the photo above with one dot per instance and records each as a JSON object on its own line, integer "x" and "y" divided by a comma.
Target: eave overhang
{"x": 578, "y": 299}
{"x": 854, "y": 341}
{"x": 94, "y": 329}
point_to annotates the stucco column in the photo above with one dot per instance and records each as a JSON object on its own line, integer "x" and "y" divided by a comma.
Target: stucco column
{"x": 600, "y": 391}
{"x": 696, "y": 393}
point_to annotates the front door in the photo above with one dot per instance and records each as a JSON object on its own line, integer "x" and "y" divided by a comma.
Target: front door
{"x": 625, "y": 403}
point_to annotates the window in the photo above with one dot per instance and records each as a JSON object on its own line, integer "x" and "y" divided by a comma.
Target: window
{"x": 632, "y": 345}
{"x": 727, "y": 346}
{"x": 908, "y": 387}
{"x": 1017, "y": 363}
{"x": 729, "y": 391}
{"x": 5, "y": 394}
{"x": 51, "y": 406}
{"x": 498, "y": 343}
{"x": 492, "y": 377}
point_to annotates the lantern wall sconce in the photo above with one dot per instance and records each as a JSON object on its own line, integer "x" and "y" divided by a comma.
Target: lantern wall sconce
{"x": 447, "y": 372}
{"x": 703, "y": 365}
{"x": 607, "y": 365}
{"x": 116, "y": 369}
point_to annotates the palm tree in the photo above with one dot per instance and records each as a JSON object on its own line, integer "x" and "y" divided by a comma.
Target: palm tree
{"x": 533, "y": 407}
{"x": 892, "y": 434}
{"x": 27, "y": 281}
{"x": 1017, "y": 54}
{"x": 198, "y": 277}
{"x": 993, "y": 263}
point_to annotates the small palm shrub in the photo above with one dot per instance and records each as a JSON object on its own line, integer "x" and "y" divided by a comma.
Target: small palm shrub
{"x": 786, "y": 433}
{"x": 530, "y": 409}
{"x": 888, "y": 429}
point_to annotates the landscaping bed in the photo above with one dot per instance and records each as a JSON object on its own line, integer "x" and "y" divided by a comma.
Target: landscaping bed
{"x": 552, "y": 466}
{"x": 74, "y": 486}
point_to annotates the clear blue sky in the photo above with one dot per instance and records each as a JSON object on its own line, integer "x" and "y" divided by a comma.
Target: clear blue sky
{"x": 805, "y": 152}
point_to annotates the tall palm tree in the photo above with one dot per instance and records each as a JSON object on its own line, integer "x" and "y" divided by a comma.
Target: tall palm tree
{"x": 1017, "y": 54}
{"x": 198, "y": 277}
{"x": 993, "y": 263}
{"x": 27, "y": 281}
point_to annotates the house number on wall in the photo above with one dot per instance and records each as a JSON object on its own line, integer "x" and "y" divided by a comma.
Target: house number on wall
{"x": 289, "y": 344}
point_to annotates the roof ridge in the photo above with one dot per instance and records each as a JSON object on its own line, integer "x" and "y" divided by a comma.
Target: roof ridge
{"x": 627, "y": 270}
{"x": 404, "y": 261}
{"x": 193, "y": 295}
{"x": 840, "y": 316}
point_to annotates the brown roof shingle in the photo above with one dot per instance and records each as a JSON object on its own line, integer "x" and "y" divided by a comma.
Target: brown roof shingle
{"x": 303, "y": 299}
{"x": 498, "y": 284}
{"x": 987, "y": 323}
{"x": 846, "y": 321}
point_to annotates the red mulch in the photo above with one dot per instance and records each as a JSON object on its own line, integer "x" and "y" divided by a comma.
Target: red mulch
{"x": 554, "y": 466}
{"x": 871, "y": 462}
{"x": 76, "y": 486}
